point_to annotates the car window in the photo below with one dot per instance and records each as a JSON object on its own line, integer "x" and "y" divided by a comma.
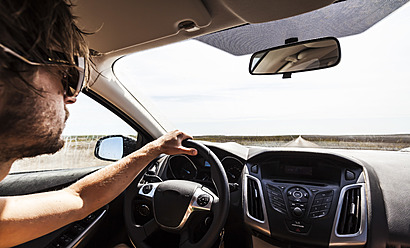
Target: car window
{"x": 88, "y": 121}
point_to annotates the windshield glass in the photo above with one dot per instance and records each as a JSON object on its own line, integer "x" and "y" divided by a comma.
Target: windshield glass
{"x": 205, "y": 91}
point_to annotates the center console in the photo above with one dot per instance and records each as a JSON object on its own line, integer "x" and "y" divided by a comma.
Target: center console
{"x": 293, "y": 198}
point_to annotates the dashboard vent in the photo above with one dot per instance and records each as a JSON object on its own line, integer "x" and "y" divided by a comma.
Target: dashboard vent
{"x": 254, "y": 200}
{"x": 349, "y": 222}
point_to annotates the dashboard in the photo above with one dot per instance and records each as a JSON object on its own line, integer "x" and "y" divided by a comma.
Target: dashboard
{"x": 279, "y": 197}
{"x": 302, "y": 197}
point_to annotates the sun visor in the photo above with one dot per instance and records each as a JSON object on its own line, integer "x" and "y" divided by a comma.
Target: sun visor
{"x": 124, "y": 23}
{"x": 258, "y": 11}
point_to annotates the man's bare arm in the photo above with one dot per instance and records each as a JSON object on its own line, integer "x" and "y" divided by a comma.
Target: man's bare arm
{"x": 23, "y": 218}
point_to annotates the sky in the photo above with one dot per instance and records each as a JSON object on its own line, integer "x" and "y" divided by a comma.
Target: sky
{"x": 202, "y": 90}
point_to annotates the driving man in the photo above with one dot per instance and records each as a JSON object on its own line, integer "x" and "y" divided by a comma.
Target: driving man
{"x": 43, "y": 61}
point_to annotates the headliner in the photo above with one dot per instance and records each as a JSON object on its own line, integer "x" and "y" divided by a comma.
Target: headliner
{"x": 340, "y": 19}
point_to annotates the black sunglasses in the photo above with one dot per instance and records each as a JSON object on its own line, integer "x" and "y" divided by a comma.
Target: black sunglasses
{"x": 73, "y": 78}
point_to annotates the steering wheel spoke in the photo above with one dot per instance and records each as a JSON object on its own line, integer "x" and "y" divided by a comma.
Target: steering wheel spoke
{"x": 184, "y": 238}
{"x": 142, "y": 232}
{"x": 150, "y": 227}
{"x": 215, "y": 205}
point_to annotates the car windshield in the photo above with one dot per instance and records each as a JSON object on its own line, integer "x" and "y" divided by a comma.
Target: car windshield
{"x": 208, "y": 92}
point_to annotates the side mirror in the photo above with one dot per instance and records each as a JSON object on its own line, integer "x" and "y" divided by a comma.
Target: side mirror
{"x": 296, "y": 57}
{"x": 115, "y": 147}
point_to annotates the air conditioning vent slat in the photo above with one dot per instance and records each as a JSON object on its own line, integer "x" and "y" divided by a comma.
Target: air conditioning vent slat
{"x": 254, "y": 200}
{"x": 349, "y": 222}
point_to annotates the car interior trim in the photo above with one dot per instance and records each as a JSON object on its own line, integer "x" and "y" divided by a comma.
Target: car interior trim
{"x": 77, "y": 241}
{"x": 109, "y": 87}
{"x": 118, "y": 112}
{"x": 359, "y": 238}
{"x": 260, "y": 225}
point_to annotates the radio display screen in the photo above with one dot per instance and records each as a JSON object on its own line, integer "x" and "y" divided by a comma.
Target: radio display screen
{"x": 312, "y": 169}
{"x": 298, "y": 170}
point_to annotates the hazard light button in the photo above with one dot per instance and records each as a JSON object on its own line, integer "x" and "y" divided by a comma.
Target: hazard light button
{"x": 298, "y": 226}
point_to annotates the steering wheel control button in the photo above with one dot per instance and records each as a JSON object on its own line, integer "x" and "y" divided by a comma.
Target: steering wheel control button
{"x": 276, "y": 199}
{"x": 147, "y": 188}
{"x": 203, "y": 200}
{"x": 321, "y": 204}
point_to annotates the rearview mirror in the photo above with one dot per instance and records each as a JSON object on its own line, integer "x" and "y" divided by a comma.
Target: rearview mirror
{"x": 296, "y": 57}
{"x": 115, "y": 147}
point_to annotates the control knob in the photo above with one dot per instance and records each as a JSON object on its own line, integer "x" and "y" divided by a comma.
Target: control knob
{"x": 297, "y": 211}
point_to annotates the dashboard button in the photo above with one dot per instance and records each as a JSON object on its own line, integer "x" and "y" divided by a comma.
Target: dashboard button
{"x": 254, "y": 168}
{"x": 297, "y": 211}
{"x": 298, "y": 226}
{"x": 297, "y": 194}
{"x": 276, "y": 199}
{"x": 349, "y": 175}
{"x": 327, "y": 199}
{"x": 316, "y": 208}
{"x": 325, "y": 206}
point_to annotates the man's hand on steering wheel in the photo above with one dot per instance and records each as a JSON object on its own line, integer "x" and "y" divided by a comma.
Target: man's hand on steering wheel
{"x": 171, "y": 144}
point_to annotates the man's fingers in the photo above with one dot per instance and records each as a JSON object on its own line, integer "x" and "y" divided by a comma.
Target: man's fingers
{"x": 189, "y": 151}
{"x": 184, "y": 136}
{"x": 172, "y": 144}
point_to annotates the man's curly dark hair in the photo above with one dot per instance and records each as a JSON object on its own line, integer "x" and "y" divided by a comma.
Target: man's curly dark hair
{"x": 34, "y": 29}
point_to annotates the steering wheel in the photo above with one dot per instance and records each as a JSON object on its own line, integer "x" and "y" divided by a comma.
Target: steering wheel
{"x": 175, "y": 201}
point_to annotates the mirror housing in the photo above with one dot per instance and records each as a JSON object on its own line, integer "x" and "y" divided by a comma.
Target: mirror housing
{"x": 115, "y": 147}
{"x": 296, "y": 57}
